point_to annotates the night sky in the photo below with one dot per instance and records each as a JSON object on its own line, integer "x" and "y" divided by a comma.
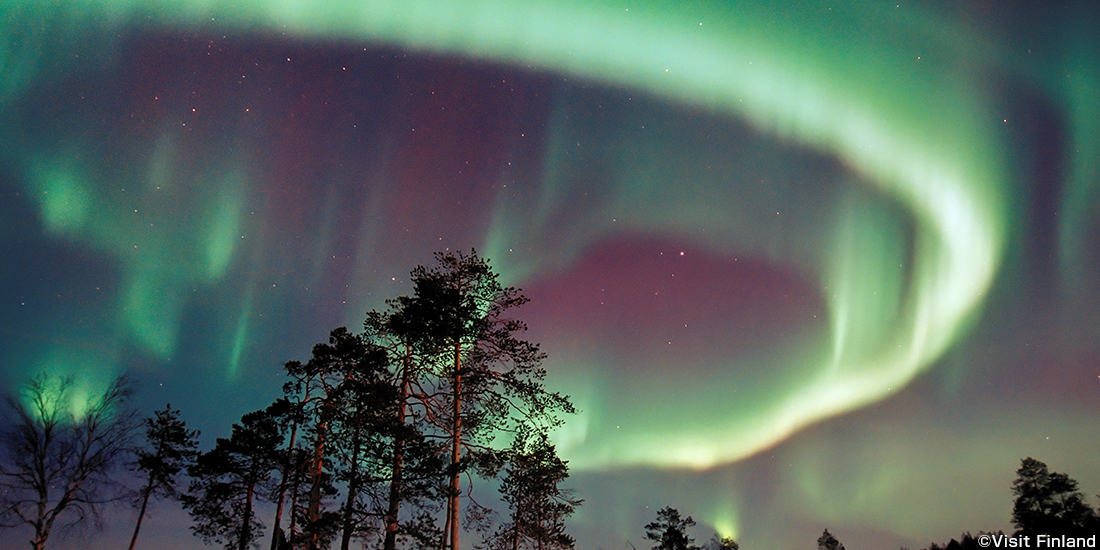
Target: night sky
{"x": 801, "y": 265}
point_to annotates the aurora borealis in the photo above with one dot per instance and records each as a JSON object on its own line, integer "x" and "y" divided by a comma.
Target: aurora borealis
{"x": 800, "y": 264}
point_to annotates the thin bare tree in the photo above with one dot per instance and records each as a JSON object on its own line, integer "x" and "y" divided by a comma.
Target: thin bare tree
{"x": 60, "y": 452}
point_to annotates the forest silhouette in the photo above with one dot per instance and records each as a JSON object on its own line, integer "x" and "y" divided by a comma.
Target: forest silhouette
{"x": 371, "y": 440}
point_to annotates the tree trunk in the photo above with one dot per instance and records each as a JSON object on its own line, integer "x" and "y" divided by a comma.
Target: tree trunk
{"x": 390, "y": 542}
{"x": 353, "y": 490}
{"x": 246, "y": 523}
{"x": 282, "y": 484}
{"x": 315, "y": 489}
{"x": 39, "y": 541}
{"x": 540, "y": 531}
{"x": 46, "y": 518}
{"x": 515, "y": 532}
{"x": 141, "y": 514}
{"x": 292, "y": 530}
{"x": 456, "y": 438}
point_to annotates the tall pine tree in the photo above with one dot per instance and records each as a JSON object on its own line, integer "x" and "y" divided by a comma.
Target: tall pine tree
{"x": 1048, "y": 502}
{"x": 537, "y": 503}
{"x": 413, "y": 459}
{"x": 670, "y": 530}
{"x": 320, "y": 388}
{"x": 169, "y": 448}
{"x": 228, "y": 481}
{"x": 459, "y": 320}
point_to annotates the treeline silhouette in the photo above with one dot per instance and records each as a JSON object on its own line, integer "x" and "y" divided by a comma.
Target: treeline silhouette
{"x": 370, "y": 440}
{"x": 1046, "y": 504}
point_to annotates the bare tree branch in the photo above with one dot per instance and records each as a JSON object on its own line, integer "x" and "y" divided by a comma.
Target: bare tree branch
{"x": 59, "y": 454}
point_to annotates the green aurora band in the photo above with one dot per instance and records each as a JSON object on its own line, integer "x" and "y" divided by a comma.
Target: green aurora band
{"x": 904, "y": 112}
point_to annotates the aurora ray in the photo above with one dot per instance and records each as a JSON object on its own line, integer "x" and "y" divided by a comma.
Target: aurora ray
{"x": 740, "y": 61}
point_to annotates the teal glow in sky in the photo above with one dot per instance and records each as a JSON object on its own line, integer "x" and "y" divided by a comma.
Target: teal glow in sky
{"x": 740, "y": 225}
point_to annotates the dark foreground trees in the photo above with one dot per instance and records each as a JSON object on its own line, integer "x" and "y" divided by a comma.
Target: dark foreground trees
{"x": 538, "y": 505}
{"x": 670, "y": 530}
{"x": 376, "y": 430}
{"x": 828, "y": 542}
{"x": 61, "y": 453}
{"x": 228, "y": 481}
{"x": 966, "y": 541}
{"x": 371, "y": 440}
{"x": 1049, "y": 502}
{"x": 721, "y": 543}
{"x": 484, "y": 381}
{"x": 169, "y": 448}
{"x": 340, "y": 405}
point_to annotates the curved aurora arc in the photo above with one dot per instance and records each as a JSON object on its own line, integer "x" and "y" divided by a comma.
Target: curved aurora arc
{"x": 925, "y": 142}
{"x": 934, "y": 157}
